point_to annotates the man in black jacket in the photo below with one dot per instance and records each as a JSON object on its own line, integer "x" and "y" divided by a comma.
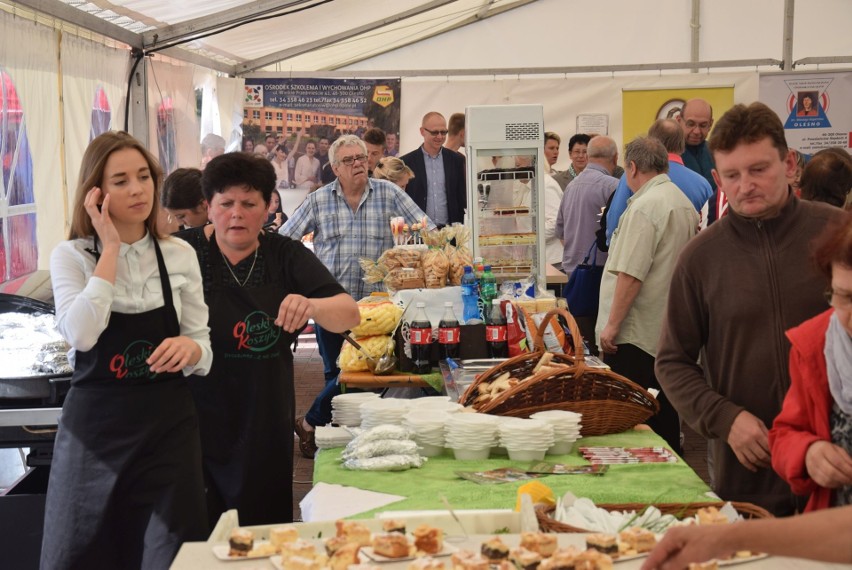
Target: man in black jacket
{"x": 438, "y": 186}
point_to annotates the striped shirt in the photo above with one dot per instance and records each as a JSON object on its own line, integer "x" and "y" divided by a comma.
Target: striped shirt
{"x": 342, "y": 236}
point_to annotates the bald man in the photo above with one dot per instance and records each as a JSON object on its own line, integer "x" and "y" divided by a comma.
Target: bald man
{"x": 696, "y": 120}
{"x": 438, "y": 186}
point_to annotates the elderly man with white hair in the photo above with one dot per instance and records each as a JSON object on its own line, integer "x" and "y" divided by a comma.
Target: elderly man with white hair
{"x": 349, "y": 218}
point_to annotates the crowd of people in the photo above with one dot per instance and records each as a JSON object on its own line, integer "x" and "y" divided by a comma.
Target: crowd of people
{"x": 714, "y": 283}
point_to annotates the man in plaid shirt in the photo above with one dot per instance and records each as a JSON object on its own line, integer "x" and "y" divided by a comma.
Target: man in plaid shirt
{"x": 350, "y": 219}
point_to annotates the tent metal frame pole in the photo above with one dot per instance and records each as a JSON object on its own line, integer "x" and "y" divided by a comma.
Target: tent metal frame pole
{"x": 518, "y": 71}
{"x": 695, "y": 33}
{"x": 787, "y": 47}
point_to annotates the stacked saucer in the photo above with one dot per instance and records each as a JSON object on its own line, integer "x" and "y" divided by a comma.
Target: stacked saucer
{"x": 525, "y": 440}
{"x": 345, "y": 408}
{"x": 378, "y": 411}
{"x": 471, "y": 436}
{"x": 566, "y": 429}
{"x": 327, "y": 437}
{"x": 428, "y": 429}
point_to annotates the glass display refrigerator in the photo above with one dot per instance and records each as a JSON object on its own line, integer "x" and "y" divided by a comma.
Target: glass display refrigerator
{"x": 505, "y": 188}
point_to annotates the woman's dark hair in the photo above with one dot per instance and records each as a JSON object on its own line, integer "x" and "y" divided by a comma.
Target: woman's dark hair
{"x": 238, "y": 169}
{"x": 834, "y": 245}
{"x": 182, "y": 190}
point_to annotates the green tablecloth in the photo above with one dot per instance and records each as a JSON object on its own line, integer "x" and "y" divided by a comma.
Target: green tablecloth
{"x": 642, "y": 483}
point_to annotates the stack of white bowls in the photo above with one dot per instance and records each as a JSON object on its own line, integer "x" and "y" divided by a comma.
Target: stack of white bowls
{"x": 346, "y": 408}
{"x": 525, "y": 440}
{"x": 327, "y": 437}
{"x": 428, "y": 429}
{"x": 471, "y": 436}
{"x": 380, "y": 411}
{"x": 566, "y": 429}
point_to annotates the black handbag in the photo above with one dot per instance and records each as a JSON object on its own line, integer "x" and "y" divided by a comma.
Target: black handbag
{"x": 583, "y": 290}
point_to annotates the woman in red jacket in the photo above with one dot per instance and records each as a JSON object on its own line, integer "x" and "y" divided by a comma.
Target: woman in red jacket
{"x": 811, "y": 439}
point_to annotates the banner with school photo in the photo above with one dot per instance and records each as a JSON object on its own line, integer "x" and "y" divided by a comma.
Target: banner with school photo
{"x": 320, "y": 108}
{"x": 814, "y": 108}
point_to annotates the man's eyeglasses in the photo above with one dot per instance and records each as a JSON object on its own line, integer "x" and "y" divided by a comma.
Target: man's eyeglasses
{"x": 838, "y": 300}
{"x": 701, "y": 126}
{"x": 350, "y": 160}
{"x": 438, "y": 133}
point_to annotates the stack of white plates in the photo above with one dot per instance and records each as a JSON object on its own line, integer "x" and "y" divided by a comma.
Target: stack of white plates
{"x": 525, "y": 440}
{"x": 346, "y": 408}
{"x": 428, "y": 429}
{"x": 471, "y": 436}
{"x": 327, "y": 437}
{"x": 380, "y": 411}
{"x": 566, "y": 429}
{"x": 436, "y": 403}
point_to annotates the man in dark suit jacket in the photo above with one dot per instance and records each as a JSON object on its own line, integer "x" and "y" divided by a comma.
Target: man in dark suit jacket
{"x": 443, "y": 198}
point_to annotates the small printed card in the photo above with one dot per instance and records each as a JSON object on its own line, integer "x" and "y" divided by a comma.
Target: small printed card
{"x": 542, "y": 468}
{"x": 495, "y": 476}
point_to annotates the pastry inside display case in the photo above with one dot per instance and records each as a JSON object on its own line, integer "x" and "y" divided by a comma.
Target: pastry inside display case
{"x": 506, "y": 216}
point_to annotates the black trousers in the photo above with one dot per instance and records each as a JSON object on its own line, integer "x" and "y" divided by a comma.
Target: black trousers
{"x": 637, "y": 365}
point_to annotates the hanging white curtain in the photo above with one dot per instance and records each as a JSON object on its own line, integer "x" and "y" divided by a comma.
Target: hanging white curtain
{"x": 86, "y": 67}
{"x": 173, "y": 123}
{"x": 28, "y": 54}
{"x": 221, "y": 107}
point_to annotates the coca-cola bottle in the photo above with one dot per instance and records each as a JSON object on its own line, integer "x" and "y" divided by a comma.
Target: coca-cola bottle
{"x": 496, "y": 334}
{"x": 449, "y": 333}
{"x": 420, "y": 333}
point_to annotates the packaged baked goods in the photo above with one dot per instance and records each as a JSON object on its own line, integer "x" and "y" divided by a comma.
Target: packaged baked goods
{"x": 377, "y": 317}
{"x": 404, "y": 278}
{"x": 398, "y": 257}
{"x": 385, "y": 463}
{"x": 379, "y": 448}
{"x": 353, "y": 360}
{"x": 435, "y": 268}
{"x": 459, "y": 254}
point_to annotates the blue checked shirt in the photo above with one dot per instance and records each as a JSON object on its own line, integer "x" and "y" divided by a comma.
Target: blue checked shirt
{"x": 342, "y": 236}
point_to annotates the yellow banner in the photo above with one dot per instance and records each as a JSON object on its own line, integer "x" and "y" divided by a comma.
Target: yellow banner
{"x": 644, "y": 106}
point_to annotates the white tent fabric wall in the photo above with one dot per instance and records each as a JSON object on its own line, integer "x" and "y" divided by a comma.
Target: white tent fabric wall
{"x": 221, "y": 108}
{"x": 86, "y": 66}
{"x": 28, "y": 52}
{"x": 174, "y": 80}
{"x": 563, "y": 99}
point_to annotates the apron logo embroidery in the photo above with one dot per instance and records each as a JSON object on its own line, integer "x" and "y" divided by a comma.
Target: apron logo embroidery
{"x": 256, "y": 332}
{"x": 132, "y": 362}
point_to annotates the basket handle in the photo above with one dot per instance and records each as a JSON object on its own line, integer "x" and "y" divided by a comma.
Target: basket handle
{"x": 538, "y": 339}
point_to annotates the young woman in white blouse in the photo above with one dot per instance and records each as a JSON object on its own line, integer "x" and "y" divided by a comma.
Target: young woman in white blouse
{"x": 126, "y": 486}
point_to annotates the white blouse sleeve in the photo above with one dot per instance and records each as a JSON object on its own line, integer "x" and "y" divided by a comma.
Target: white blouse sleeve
{"x": 193, "y": 310}
{"x": 83, "y": 302}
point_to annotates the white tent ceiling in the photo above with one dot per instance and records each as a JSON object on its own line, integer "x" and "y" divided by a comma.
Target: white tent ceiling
{"x": 239, "y": 37}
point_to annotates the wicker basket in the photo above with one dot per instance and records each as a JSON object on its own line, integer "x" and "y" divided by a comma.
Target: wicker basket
{"x": 680, "y": 510}
{"x": 609, "y": 402}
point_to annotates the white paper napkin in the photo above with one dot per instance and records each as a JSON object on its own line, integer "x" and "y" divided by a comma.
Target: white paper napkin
{"x": 330, "y": 502}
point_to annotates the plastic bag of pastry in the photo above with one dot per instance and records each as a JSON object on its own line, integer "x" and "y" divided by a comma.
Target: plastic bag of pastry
{"x": 555, "y": 339}
{"x": 404, "y": 278}
{"x": 379, "y": 448}
{"x": 397, "y": 257}
{"x": 385, "y": 463}
{"x": 377, "y": 317}
{"x": 515, "y": 329}
{"x": 435, "y": 268}
{"x": 459, "y": 254}
{"x": 374, "y": 272}
{"x": 353, "y": 360}
{"x": 384, "y": 431}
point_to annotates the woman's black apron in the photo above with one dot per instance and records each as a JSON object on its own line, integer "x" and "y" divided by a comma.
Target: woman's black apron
{"x": 246, "y": 405}
{"x": 126, "y": 486}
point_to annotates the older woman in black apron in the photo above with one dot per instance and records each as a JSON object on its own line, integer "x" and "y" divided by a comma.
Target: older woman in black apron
{"x": 261, "y": 288}
{"x": 126, "y": 487}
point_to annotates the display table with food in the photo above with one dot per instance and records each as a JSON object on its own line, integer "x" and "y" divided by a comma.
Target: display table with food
{"x": 629, "y": 483}
{"x": 415, "y": 546}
